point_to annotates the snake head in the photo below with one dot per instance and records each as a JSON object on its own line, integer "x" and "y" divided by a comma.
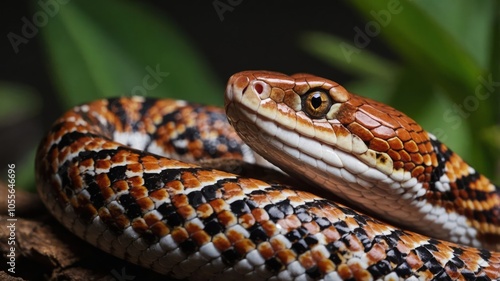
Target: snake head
{"x": 321, "y": 109}
{"x": 316, "y": 124}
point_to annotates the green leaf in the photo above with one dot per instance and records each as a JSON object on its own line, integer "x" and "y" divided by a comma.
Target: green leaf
{"x": 375, "y": 89}
{"x": 491, "y": 136}
{"x": 469, "y": 23}
{"x": 423, "y": 43}
{"x": 94, "y": 55}
{"x": 346, "y": 56}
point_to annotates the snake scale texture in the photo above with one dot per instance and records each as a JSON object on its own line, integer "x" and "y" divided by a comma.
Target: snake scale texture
{"x": 100, "y": 173}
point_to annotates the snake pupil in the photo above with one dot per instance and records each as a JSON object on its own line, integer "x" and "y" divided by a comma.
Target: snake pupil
{"x": 316, "y": 103}
{"x": 316, "y": 100}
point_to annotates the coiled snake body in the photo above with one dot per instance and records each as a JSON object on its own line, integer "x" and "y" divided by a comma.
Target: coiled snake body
{"x": 100, "y": 174}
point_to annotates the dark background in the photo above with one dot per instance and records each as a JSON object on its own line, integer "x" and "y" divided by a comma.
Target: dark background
{"x": 254, "y": 35}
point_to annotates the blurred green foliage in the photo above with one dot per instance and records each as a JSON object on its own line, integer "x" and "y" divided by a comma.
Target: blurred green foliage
{"x": 99, "y": 49}
{"x": 19, "y": 103}
{"x": 449, "y": 76}
{"x": 95, "y": 55}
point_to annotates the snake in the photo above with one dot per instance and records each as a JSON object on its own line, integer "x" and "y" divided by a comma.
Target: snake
{"x": 122, "y": 174}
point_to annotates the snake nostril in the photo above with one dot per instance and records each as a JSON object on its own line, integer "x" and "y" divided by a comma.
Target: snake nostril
{"x": 258, "y": 88}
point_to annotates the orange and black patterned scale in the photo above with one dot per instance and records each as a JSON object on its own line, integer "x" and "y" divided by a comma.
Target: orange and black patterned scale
{"x": 454, "y": 185}
{"x": 184, "y": 221}
{"x": 450, "y": 182}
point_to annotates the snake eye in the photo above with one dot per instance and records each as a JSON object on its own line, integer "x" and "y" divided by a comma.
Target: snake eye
{"x": 316, "y": 103}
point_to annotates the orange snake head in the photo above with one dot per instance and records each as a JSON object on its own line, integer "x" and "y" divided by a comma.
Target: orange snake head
{"x": 311, "y": 110}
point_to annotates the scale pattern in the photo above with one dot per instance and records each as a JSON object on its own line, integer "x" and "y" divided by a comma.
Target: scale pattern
{"x": 368, "y": 154}
{"x": 99, "y": 173}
